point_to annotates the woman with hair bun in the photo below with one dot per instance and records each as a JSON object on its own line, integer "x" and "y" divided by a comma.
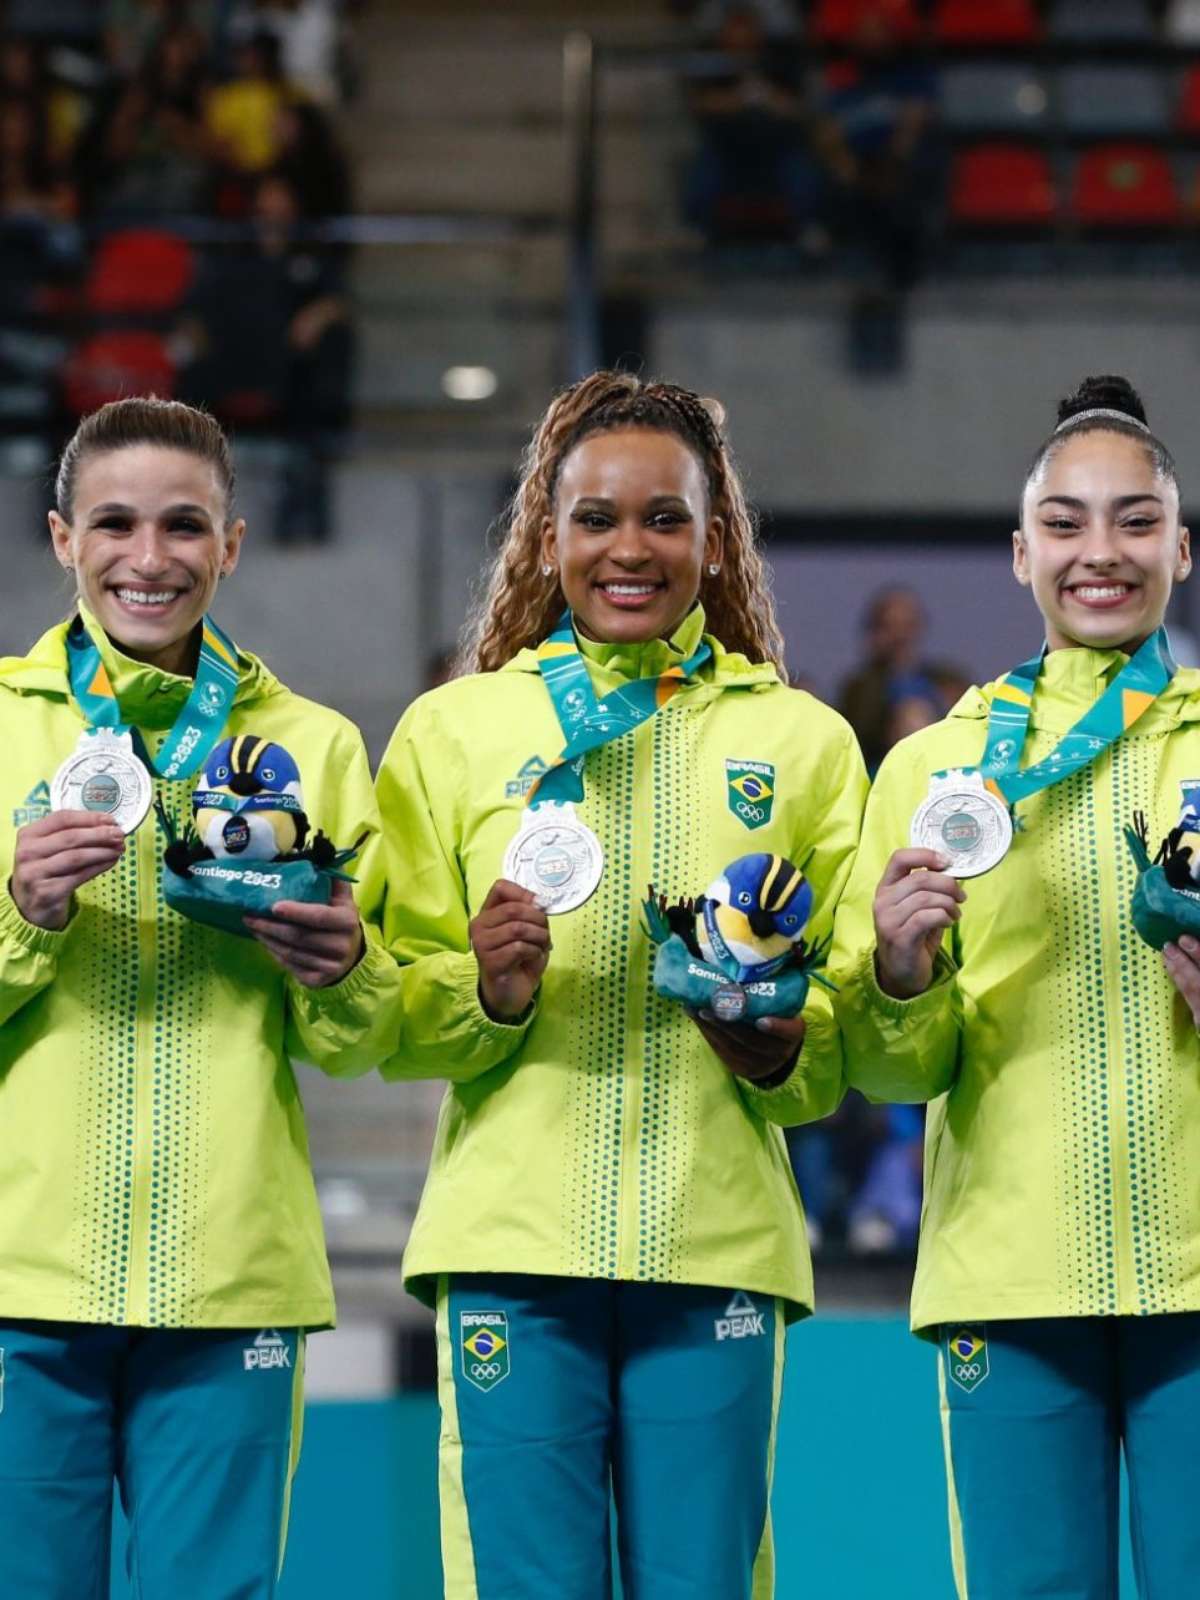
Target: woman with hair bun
{"x": 610, "y": 1231}
{"x": 161, "y": 1253}
{"x": 1059, "y": 1261}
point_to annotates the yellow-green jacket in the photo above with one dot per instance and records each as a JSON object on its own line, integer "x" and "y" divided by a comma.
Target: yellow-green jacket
{"x": 1063, "y": 1070}
{"x": 603, "y": 1138}
{"x": 154, "y": 1165}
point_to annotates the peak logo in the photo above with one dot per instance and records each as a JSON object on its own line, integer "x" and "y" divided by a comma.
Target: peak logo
{"x": 518, "y": 787}
{"x": 742, "y": 1320}
{"x": 37, "y": 806}
{"x": 268, "y": 1350}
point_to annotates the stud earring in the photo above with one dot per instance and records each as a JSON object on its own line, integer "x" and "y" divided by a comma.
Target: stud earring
{"x": 713, "y": 569}
{"x": 546, "y": 571}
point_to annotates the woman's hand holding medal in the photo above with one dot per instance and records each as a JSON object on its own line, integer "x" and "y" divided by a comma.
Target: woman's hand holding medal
{"x": 57, "y": 855}
{"x": 914, "y": 905}
{"x": 511, "y": 940}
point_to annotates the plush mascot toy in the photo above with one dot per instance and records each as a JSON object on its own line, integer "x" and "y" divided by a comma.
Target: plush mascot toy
{"x": 1166, "y": 897}
{"x": 738, "y": 950}
{"x": 249, "y": 843}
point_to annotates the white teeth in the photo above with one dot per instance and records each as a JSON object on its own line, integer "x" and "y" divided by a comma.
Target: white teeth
{"x": 138, "y": 597}
{"x": 629, "y": 588}
{"x": 1096, "y": 593}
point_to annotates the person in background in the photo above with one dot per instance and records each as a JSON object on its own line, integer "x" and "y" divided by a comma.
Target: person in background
{"x": 894, "y": 625}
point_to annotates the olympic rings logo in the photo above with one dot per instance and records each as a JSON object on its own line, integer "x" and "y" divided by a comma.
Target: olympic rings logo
{"x": 967, "y": 1369}
{"x": 485, "y": 1369}
{"x": 749, "y": 812}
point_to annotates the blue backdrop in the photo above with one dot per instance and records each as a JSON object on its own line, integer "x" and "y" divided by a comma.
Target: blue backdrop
{"x": 860, "y": 1506}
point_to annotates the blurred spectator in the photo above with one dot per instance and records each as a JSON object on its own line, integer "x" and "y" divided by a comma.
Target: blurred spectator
{"x": 306, "y": 32}
{"x": 243, "y": 113}
{"x": 877, "y": 699}
{"x": 886, "y": 1212}
{"x": 153, "y": 151}
{"x": 831, "y": 1160}
{"x": 756, "y": 174}
{"x": 311, "y": 159}
{"x": 132, "y": 28}
{"x": 270, "y": 343}
{"x": 778, "y": 17}
{"x": 875, "y": 134}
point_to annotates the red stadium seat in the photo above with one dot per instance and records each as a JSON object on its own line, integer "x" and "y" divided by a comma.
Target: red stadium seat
{"x": 139, "y": 270}
{"x": 1187, "y": 116}
{"x": 985, "y": 22}
{"x": 1003, "y": 186}
{"x": 109, "y": 366}
{"x": 837, "y": 21}
{"x": 1125, "y": 186}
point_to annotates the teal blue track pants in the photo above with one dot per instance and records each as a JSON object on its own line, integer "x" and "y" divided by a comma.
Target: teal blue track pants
{"x": 1036, "y": 1414}
{"x": 563, "y": 1396}
{"x": 199, "y": 1429}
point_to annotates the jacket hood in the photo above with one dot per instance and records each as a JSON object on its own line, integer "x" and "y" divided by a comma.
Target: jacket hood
{"x": 147, "y": 696}
{"x": 1073, "y": 680}
{"x": 621, "y": 663}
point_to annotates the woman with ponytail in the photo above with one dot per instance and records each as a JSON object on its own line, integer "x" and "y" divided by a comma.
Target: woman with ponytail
{"x": 1059, "y": 1262}
{"x": 610, "y": 1232}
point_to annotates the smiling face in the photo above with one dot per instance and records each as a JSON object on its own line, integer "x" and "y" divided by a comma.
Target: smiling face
{"x": 631, "y": 534}
{"x": 1100, "y": 543}
{"x": 148, "y": 542}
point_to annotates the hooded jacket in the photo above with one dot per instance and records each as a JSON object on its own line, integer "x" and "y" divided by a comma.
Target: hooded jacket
{"x": 1062, "y": 1066}
{"x": 602, "y": 1137}
{"x": 154, "y": 1165}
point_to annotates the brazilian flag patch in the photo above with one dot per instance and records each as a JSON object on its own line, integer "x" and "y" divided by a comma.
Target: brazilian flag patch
{"x": 751, "y": 791}
{"x": 967, "y": 1356}
{"x": 484, "y": 1344}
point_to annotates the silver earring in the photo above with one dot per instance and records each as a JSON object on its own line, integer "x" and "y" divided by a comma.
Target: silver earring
{"x": 713, "y": 569}
{"x": 546, "y": 571}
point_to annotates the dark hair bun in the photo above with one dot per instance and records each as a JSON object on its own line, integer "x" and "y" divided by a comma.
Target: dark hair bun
{"x": 1107, "y": 393}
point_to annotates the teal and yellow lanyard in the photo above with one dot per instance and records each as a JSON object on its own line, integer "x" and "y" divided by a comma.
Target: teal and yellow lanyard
{"x": 1132, "y": 692}
{"x": 197, "y": 728}
{"x": 588, "y": 723}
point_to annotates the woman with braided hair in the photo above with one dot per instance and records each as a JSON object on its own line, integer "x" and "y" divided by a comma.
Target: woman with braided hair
{"x": 610, "y": 1232}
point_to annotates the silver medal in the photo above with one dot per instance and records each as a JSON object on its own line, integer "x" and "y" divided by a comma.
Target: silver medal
{"x": 556, "y": 856}
{"x": 964, "y": 821}
{"x": 103, "y": 775}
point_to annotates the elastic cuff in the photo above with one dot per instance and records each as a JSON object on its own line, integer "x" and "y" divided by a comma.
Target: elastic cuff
{"x": 42, "y": 941}
{"x": 931, "y": 999}
{"x": 467, "y": 985}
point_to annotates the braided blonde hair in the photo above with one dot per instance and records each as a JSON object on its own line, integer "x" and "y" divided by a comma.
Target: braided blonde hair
{"x": 521, "y": 604}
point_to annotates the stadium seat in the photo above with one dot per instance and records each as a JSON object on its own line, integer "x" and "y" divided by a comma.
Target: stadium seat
{"x": 139, "y": 270}
{"x": 1108, "y": 101}
{"x": 109, "y": 366}
{"x": 1002, "y": 186}
{"x": 999, "y": 98}
{"x": 1101, "y": 20}
{"x": 1182, "y": 22}
{"x": 836, "y": 21}
{"x": 1187, "y": 113}
{"x": 1124, "y": 186}
{"x": 985, "y": 22}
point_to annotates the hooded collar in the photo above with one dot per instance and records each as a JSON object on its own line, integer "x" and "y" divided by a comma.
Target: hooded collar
{"x": 148, "y": 697}
{"x": 613, "y": 664}
{"x": 1073, "y": 680}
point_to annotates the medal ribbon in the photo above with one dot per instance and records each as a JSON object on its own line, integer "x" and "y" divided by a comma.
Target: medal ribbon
{"x": 588, "y": 723}
{"x": 197, "y": 728}
{"x": 1134, "y": 690}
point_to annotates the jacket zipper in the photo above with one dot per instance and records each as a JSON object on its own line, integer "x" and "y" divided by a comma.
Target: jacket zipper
{"x": 137, "y": 1292}
{"x": 1118, "y": 1129}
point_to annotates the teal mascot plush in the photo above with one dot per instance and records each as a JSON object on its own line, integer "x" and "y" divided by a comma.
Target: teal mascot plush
{"x": 249, "y": 843}
{"x": 738, "y": 950}
{"x": 1166, "y": 897}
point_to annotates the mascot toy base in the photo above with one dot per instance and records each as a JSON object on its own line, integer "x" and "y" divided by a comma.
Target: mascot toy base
{"x": 1161, "y": 912}
{"x": 681, "y": 976}
{"x": 220, "y": 894}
